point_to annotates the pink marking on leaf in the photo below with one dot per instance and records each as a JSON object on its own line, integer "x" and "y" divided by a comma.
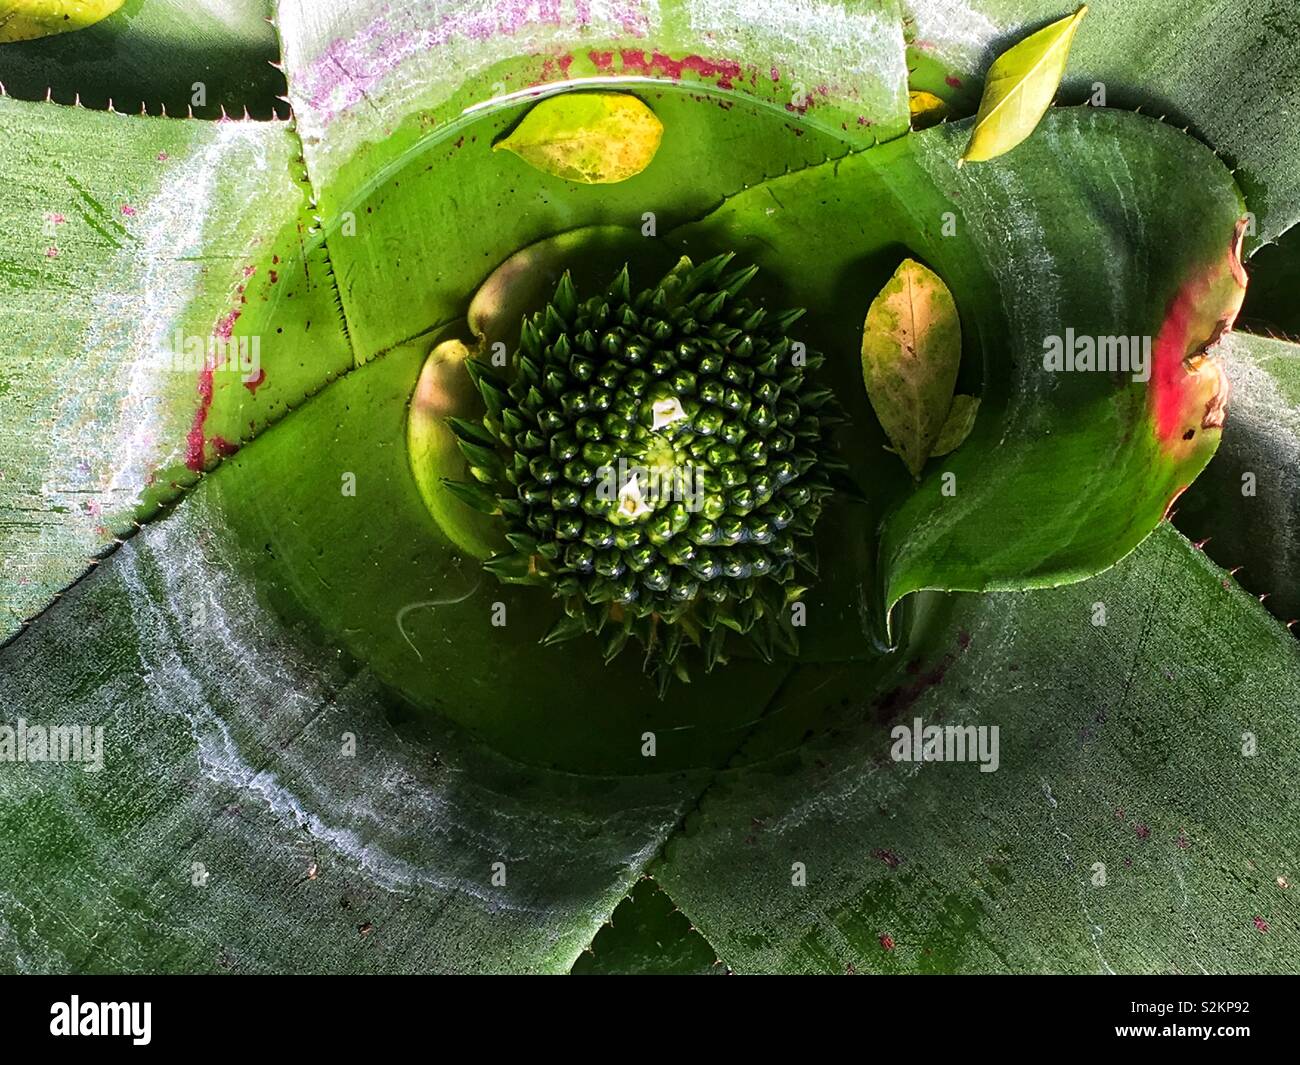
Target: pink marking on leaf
{"x": 1189, "y": 391}
{"x": 723, "y": 71}
{"x": 194, "y": 442}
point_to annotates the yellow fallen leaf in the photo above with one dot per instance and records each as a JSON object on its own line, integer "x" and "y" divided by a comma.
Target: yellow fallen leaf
{"x": 957, "y": 426}
{"x": 926, "y": 108}
{"x": 596, "y": 138}
{"x": 25, "y": 20}
{"x": 1019, "y": 89}
{"x": 911, "y": 349}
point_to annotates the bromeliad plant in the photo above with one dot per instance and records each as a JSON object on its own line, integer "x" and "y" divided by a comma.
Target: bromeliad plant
{"x": 666, "y": 458}
{"x": 436, "y": 342}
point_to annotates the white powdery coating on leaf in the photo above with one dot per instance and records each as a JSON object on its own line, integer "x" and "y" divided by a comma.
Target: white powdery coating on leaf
{"x": 355, "y": 74}
{"x": 175, "y": 670}
{"x": 954, "y": 33}
{"x": 1257, "y": 402}
{"x": 240, "y": 682}
{"x": 856, "y": 56}
{"x": 125, "y": 434}
{"x": 170, "y": 259}
{"x": 1012, "y": 242}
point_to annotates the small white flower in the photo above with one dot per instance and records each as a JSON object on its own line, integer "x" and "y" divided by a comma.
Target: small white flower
{"x": 631, "y": 503}
{"x": 666, "y": 412}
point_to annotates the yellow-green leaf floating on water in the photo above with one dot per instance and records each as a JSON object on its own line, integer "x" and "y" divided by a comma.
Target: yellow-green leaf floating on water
{"x": 1019, "y": 89}
{"x": 596, "y": 138}
{"x": 911, "y": 348}
{"x": 25, "y": 20}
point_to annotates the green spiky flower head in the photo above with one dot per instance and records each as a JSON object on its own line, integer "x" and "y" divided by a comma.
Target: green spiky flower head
{"x": 659, "y": 460}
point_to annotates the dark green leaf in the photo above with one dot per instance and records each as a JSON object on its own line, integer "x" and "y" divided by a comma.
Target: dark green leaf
{"x": 1143, "y": 746}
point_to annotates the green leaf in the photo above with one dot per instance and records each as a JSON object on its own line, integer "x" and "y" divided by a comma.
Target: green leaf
{"x": 1221, "y": 70}
{"x": 177, "y": 57}
{"x": 235, "y": 650}
{"x": 133, "y": 256}
{"x": 393, "y": 116}
{"x": 1019, "y": 89}
{"x": 648, "y": 936}
{"x": 373, "y": 573}
{"x": 1119, "y": 744}
{"x": 958, "y": 425}
{"x": 1246, "y": 505}
{"x": 25, "y": 20}
{"x": 230, "y": 829}
{"x": 371, "y": 85}
{"x": 472, "y": 432}
{"x": 436, "y": 461}
{"x": 911, "y": 349}
{"x": 473, "y": 494}
{"x": 1270, "y": 307}
{"x": 596, "y": 138}
{"x": 526, "y": 281}
{"x": 1064, "y": 472}
{"x": 444, "y": 261}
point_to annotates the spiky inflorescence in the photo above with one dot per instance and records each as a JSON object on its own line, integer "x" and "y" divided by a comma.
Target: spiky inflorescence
{"x": 659, "y": 460}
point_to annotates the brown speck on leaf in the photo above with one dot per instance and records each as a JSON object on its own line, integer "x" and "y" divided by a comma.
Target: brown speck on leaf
{"x": 365, "y": 928}
{"x": 888, "y": 857}
{"x": 1261, "y": 924}
{"x": 1283, "y": 883}
{"x": 887, "y": 941}
{"x": 1143, "y": 832}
